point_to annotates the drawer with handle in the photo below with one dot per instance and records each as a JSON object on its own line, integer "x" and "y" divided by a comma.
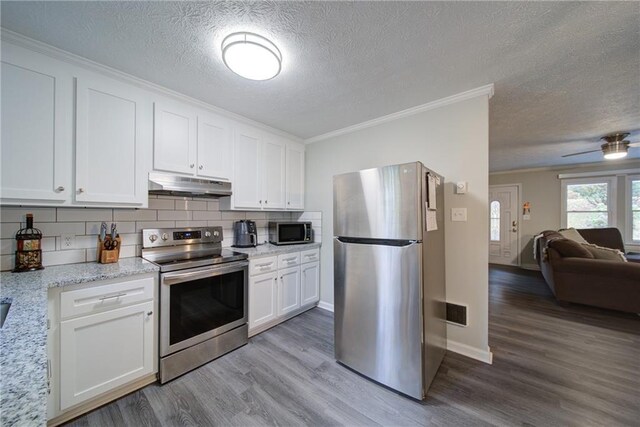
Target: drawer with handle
{"x": 105, "y": 296}
{"x": 310, "y": 255}
{"x": 288, "y": 260}
{"x": 263, "y": 265}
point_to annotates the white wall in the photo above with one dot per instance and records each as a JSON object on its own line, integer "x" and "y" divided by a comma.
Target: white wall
{"x": 452, "y": 140}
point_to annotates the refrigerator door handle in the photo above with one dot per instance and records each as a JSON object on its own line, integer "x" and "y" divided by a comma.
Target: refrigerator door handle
{"x": 381, "y": 242}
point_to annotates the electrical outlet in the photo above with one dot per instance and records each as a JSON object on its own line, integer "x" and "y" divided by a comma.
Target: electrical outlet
{"x": 67, "y": 241}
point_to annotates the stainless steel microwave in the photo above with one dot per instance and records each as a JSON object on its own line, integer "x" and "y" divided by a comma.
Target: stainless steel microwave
{"x": 290, "y": 233}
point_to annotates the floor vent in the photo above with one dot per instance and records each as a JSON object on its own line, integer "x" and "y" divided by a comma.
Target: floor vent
{"x": 457, "y": 314}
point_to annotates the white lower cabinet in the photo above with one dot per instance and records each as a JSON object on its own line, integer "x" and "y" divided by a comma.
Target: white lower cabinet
{"x": 289, "y": 290}
{"x": 101, "y": 344}
{"x": 309, "y": 283}
{"x": 103, "y": 351}
{"x": 263, "y": 299}
{"x": 280, "y": 287}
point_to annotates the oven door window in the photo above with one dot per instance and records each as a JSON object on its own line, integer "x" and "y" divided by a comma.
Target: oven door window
{"x": 204, "y": 305}
{"x": 291, "y": 233}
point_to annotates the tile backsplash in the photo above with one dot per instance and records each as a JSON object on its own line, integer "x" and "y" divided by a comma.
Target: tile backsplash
{"x": 163, "y": 212}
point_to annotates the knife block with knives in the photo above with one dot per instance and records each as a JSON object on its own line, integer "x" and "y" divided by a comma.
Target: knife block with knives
{"x": 108, "y": 245}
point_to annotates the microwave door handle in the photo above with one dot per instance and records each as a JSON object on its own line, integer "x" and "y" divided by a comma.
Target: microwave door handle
{"x": 253, "y": 239}
{"x": 305, "y": 232}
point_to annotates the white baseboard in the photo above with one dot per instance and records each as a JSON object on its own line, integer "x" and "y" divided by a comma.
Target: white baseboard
{"x": 535, "y": 267}
{"x": 466, "y": 350}
{"x": 325, "y": 306}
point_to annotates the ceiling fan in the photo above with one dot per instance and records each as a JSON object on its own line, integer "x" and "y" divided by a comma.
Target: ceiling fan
{"x": 616, "y": 146}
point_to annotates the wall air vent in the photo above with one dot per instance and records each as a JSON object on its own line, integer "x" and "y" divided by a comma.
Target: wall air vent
{"x": 457, "y": 314}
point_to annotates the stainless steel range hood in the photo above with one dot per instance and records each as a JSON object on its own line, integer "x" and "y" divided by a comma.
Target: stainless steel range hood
{"x": 175, "y": 185}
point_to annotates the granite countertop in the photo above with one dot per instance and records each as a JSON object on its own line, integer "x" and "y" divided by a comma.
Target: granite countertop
{"x": 23, "y": 338}
{"x": 269, "y": 249}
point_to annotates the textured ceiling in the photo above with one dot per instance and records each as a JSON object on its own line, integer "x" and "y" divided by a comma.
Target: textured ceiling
{"x": 564, "y": 72}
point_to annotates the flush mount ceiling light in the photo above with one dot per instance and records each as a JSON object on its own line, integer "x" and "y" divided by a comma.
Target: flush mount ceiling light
{"x": 251, "y": 56}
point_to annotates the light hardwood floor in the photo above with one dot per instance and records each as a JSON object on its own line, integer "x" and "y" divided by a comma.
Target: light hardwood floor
{"x": 552, "y": 366}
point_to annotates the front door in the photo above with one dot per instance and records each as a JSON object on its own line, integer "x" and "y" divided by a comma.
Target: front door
{"x": 503, "y": 224}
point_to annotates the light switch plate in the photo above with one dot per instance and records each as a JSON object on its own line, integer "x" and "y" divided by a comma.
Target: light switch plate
{"x": 461, "y": 187}
{"x": 459, "y": 214}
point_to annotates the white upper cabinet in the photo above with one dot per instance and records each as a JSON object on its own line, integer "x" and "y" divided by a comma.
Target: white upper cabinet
{"x": 295, "y": 176}
{"x": 174, "y": 145}
{"x": 273, "y": 177}
{"x": 36, "y": 128}
{"x": 191, "y": 141}
{"x": 113, "y": 139}
{"x": 247, "y": 189}
{"x": 268, "y": 172}
{"x": 215, "y": 147}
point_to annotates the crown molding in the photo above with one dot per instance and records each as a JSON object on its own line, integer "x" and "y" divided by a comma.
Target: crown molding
{"x": 68, "y": 57}
{"x": 562, "y": 167}
{"x": 487, "y": 90}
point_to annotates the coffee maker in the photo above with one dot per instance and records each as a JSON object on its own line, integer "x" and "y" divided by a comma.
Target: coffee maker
{"x": 245, "y": 234}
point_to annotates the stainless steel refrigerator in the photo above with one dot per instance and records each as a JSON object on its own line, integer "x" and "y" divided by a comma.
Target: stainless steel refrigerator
{"x": 389, "y": 275}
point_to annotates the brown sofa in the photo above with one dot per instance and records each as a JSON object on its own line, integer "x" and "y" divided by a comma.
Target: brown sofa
{"x": 585, "y": 280}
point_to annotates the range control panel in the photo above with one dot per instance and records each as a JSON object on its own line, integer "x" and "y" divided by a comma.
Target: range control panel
{"x": 157, "y": 237}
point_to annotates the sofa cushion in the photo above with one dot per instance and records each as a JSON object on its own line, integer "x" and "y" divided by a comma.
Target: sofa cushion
{"x": 572, "y": 234}
{"x": 606, "y": 237}
{"x": 599, "y": 252}
{"x": 569, "y": 248}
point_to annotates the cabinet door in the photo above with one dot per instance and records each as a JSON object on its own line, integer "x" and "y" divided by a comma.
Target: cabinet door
{"x": 113, "y": 141}
{"x": 215, "y": 152}
{"x": 103, "y": 351}
{"x": 36, "y": 131}
{"x": 273, "y": 167}
{"x": 174, "y": 141}
{"x": 246, "y": 169}
{"x": 295, "y": 176}
{"x": 263, "y": 299}
{"x": 289, "y": 290}
{"x": 310, "y": 283}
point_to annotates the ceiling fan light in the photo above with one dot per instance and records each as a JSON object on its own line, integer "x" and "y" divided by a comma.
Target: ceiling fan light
{"x": 251, "y": 56}
{"x": 613, "y": 156}
{"x": 615, "y": 149}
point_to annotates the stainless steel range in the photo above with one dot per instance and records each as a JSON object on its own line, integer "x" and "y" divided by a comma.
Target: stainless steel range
{"x": 203, "y": 296}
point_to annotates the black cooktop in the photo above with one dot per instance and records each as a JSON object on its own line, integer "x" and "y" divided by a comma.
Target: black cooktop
{"x": 184, "y": 260}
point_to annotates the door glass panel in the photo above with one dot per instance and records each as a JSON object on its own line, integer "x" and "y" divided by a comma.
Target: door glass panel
{"x": 202, "y": 305}
{"x": 495, "y": 221}
{"x": 635, "y": 209}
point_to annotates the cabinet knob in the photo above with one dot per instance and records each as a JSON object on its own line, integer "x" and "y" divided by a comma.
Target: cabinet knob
{"x": 288, "y": 203}
{"x": 266, "y": 202}
{"x": 192, "y": 165}
{"x": 200, "y": 167}
{"x": 60, "y": 189}
{"x": 80, "y": 190}
{"x": 260, "y": 201}
{"x": 149, "y": 313}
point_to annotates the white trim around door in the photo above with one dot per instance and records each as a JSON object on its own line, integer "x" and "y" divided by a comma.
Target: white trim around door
{"x": 506, "y": 228}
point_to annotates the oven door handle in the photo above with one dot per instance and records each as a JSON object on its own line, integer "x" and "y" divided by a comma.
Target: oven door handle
{"x": 175, "y": 278}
